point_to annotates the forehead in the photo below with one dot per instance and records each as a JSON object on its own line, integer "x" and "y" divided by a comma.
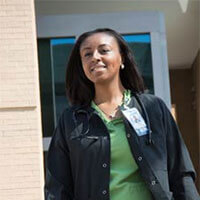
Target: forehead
{"x": 99, "y": 39}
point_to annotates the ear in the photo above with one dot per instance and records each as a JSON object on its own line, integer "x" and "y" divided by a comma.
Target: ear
{"x": 122, "y": 59}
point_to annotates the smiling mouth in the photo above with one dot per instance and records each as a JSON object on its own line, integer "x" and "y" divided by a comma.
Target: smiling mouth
{"x": 97, "y": 67}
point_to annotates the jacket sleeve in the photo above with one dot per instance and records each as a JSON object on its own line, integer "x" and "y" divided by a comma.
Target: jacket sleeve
{"x": 59, "y": 184}
{"x": 180, "y": 168}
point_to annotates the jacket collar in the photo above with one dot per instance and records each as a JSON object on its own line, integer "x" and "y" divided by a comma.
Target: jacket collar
{"x": 89, "y": 110}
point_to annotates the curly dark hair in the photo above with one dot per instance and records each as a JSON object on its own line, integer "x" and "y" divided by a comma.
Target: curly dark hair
{"x": 80, "y": 90}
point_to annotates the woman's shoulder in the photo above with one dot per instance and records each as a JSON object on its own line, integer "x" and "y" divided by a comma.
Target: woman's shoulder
{"x": 66, "y": 118}
{"x": 68, "y": 111}
{"x": 69, "y": 114}
{"x": 150, "y": 99}
{"x": 153, "y": 102}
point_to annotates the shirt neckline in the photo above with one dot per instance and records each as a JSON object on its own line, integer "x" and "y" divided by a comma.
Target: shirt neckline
{"x": 126, "y": 100}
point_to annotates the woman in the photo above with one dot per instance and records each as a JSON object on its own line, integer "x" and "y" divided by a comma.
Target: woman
{"x": 114, "y": 141}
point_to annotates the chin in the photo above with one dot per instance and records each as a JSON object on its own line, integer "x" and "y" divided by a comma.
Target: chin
{"x": 101, "y": 81}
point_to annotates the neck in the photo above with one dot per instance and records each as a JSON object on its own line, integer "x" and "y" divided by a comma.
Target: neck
{"x": 109, "y": 93}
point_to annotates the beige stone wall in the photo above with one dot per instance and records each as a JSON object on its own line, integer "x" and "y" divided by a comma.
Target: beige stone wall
{"x": 21, "y": 158}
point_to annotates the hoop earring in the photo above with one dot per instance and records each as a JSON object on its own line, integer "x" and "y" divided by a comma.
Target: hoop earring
{"x": 122, "y": 66}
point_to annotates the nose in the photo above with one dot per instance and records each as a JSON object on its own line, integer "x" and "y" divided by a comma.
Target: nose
{"x": 96, "y": 56}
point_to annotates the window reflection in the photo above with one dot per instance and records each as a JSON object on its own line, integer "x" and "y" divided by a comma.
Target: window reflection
{"x": 140, "y": 45}
{"x": 61, "y": 49}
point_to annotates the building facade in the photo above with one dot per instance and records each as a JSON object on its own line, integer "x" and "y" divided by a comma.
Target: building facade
{"x": 21, "y": 157}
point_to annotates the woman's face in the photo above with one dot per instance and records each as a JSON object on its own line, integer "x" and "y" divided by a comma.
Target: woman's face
{"x": 101, "y": 58}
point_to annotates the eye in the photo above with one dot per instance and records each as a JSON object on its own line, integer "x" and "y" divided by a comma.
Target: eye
{"x": 87, "y": 54}
{"x": 105, "y": 50}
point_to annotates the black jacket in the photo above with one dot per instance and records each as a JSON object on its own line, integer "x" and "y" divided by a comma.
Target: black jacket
{"x": 78, "y": 164}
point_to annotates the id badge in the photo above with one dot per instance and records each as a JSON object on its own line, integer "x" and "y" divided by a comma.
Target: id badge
{"x": 136, "y": 121}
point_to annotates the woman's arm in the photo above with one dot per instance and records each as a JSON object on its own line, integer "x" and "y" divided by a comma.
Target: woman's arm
{"x": 59, "y": 184}
{"x": 180, "y": 169}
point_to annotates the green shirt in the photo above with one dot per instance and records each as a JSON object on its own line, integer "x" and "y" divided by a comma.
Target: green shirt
{"x": 125, "y": 179}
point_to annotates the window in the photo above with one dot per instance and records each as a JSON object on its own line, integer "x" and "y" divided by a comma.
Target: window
{"x": 60, "y": 51}
{"x": 53, "y": 56}
{"x": 141, "y": 47}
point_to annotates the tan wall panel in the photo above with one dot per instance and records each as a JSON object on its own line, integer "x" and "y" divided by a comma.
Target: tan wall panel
{"x": 21, "y": 156}
{"x": 18, "y": 88}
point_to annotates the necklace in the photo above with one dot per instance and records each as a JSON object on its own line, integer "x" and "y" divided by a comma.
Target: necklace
{"x": 111, "y": 115}
{"x": 115, "y": 113}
